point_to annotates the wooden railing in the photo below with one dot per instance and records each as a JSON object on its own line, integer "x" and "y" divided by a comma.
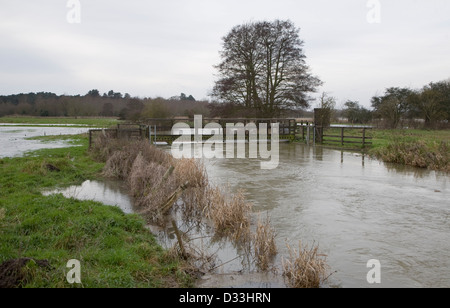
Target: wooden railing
{"x": 345, "y": 136}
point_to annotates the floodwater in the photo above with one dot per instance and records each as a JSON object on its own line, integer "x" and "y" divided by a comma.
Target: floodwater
{"x": 113, "y": 193}
{"x": 13, "y": 138}
{"x": 355, "y": 208}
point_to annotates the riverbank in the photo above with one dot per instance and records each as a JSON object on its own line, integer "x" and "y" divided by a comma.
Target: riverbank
{"x": 429, "y": 149}
{"x": 115, "y": 250}
{"x": 418, "y": 148}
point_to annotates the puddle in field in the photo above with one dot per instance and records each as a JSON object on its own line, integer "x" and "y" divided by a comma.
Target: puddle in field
{"x": 111, "y": 193}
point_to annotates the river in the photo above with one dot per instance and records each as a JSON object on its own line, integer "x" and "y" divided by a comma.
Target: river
{"x": 356, "y": 209}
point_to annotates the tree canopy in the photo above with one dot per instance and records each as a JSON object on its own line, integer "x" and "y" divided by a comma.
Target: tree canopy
{"x": 431, "y": 104}
{"x": 263, "y": 68}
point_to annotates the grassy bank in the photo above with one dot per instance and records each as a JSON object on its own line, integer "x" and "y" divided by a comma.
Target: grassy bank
{"x": 414, "y": 147}
{"x": 115, "y": 249}
{"x": 60, "y": 121}
{"x": 418, "y": 148}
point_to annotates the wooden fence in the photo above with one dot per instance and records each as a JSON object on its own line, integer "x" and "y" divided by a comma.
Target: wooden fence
{"x": 345, "y": 136}
{"x": 160, "y": 130}
{"x": 126, "y": 131}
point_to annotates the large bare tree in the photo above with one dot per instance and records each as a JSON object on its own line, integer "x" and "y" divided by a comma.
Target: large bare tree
{"x": 263, "y": 68}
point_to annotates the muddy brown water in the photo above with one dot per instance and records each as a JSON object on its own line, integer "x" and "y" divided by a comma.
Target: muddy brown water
{"x": 355, "y": 208}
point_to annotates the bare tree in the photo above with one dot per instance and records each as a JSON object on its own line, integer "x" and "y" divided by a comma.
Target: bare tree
{"x": 263, "y": 68}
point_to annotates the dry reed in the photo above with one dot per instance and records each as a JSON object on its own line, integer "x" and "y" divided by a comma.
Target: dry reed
{"x": 230, "y": 213}
{"x": 158, "y": 182}
{"x": 264, "y": 245}
{"x": 119, "y": 164}
{"x": 194, "y": 197}
{"x": 305, "y": 268}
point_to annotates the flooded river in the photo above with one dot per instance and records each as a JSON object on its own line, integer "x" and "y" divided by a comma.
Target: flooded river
{"x": 356, "y": 209}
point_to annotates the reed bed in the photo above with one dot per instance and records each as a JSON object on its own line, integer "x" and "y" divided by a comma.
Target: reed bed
{"x": 431, "y": 155}
{"x": 159, "y": 183}
{"x": 146, "y": 170}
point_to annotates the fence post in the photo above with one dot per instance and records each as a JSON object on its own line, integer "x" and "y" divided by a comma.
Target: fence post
{"x": 308, "y": 133}
{"x": 364, "y": 137}
{"x": 342, "y": 136}
{"x": 90, "y": 138}
{"x": 314, "y": 134}
{"x": 303, "y": 131}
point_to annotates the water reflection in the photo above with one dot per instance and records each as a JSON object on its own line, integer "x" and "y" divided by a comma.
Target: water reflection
{"x": 112, "y": 193}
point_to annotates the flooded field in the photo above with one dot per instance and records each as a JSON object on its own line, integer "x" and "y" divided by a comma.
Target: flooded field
{"x": 14, "y": 139}
{"x": 355, "y": 208}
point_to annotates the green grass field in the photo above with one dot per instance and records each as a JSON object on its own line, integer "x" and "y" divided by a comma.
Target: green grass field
{"x": 415, "y": 147}
{"x": 384, "y": 137}
{"x": 115, "y": 250}
{"x": 419, "y": 148}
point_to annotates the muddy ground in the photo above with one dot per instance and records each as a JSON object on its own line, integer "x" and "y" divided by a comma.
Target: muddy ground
{"x": 14, "y": 273}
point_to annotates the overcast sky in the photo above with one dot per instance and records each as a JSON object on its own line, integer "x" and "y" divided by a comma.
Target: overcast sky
{"x": 162, "y": 48}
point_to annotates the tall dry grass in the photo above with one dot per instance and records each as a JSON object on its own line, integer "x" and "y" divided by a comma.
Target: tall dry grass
{"x": 193, "y": 173}
{"x": 305, "y": 267}
{"x": 264, "y": 245}
{"x": 230, "y": 213}
{"x": 158, "y": 183}
{"x": 150, "y": 185}
{"x": 421, "y": 154}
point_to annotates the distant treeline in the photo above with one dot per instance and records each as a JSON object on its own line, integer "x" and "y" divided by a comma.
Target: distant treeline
{"x": 111, "y": 104}
{"x": 399, "y": 107}
{"x": 115, "y": 104}
{"x": 427, "y": 107}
